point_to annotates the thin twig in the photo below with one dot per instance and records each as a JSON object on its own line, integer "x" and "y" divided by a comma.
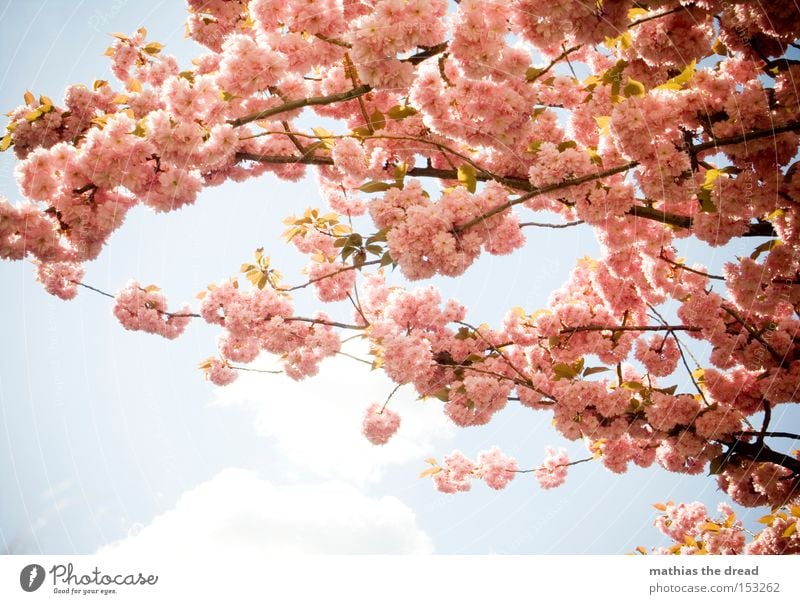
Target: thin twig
{"x": 546, "y": 189}
{"x": 300, "y": 103}
{"x": 563, "y": 465}
{"x": 777, "y": 357}
{"x": 551, "y": 225}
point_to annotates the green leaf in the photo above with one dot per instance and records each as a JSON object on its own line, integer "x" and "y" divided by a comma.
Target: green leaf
{"x": 670, "y": 391}
{"x": 765, "y": 247}
{"x": 636, "y": 386}
{"x": 361, "y": 132}
{"x": 564, "y": 145}
{"x": 399, "y": 112}
{"x": 534, "y": 147}
{"x": 468, "y": 177}
{"x": 386, "y": 260}
{"x": 533, "y": 73}
{"x": 706, "y": 205}
{"x": 633, "y": 88}
{"x": 443, "y": 394}
{"x": 153, "y": 48}
{"x": 593, "y": 370}
{"x": 680, "y": 80}
{"x": 325, "y": 136}
{"x": 5, "y": 143}
{"x": 400, "y": 174}
{"x": 594, "y": 156}
{"x": 704, "y": 195}
{"x": 375, "y": 186}
{"x": 377, "y": 120}
{"x": 568, "y": 371}
{"x": 613, "y": 76}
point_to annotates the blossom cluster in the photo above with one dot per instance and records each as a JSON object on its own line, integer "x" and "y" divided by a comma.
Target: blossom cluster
{"x": 695, "y": 532}
{"x": 686, "y": 126}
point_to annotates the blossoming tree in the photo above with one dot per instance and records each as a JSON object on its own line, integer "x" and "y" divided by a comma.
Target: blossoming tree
{"x": 456, "y": 125}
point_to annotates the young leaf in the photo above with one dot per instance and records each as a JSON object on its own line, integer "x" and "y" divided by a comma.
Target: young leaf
{"x": 467, "y": 177}
{"x": 633, "y": 88}
{"x": 375, "y": 186}
{"x": 377, "y": 120}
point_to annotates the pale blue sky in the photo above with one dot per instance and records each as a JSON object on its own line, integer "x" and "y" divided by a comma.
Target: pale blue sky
{"x": 101, "y": 429}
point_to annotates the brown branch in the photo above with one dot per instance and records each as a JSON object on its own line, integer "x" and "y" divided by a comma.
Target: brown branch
{"x": 441, "y": 173}
{"x": 550, "y": 225}
{"x": 427, "y": 53}
{"x": 771, "y": 434}
{"x": 683, "y": 356}
{"x": 546, "y": 189}
{"x": 683, "y": 267}
{"x": 333, "y": 41}
{"x": 776, "y": 356}
{"x": 570, "y": 330}
{"x": 493, "y": 348}
{"x": 561, "y": 465}
{"x": 323, "y": 322}
{"x": 757, "y": 229}
{"x": 759, "y": 452}
{"x": 552, "y": 63}
{"x": 743, "y": 138}
{"x": 767, "y": 417}
{"x": 239, "y": 368}
{"x": 293, "y": 138}
{"x": 349, "y": 267}
{"x": 300, "y": 103}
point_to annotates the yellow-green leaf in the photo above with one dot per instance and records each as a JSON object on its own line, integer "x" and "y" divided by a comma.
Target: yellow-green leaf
{"x": 324, "y": 136}
{"x": 153, "y": 48}
{"x": 633, "y": 88}
{"x": 534, "y": 147}
{"x": 767, "y": 246}
{"x": 430, "y": 472}
{"x": 377, "y": 120}
{"x": 399, "y": 112}
{"x": 604, "y": 123}
{"x": 29, "y": 98}
{"x": 375, "y": 186}
{"x": 468, "y": 177}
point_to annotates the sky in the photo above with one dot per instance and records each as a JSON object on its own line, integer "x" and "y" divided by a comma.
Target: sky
{"x": 112, "y": 440}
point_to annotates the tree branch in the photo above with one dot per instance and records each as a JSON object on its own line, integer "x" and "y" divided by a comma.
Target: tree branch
{"x": 569, "y": 330}
{"x": 776, "y": 356}
{"x": 561, "y": 465}
{"x": 300, "y": 103}
{"x": 546, "y": 189}
{"x": 743, "y": 138}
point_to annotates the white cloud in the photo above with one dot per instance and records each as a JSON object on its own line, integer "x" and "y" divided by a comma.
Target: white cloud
{"x": 316, "y": 423}
{"x": 238, "y": 513}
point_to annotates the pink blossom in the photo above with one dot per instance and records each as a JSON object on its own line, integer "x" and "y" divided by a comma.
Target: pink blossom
{"x": 380, "y": 424}
{"x": 553, "y": 471}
